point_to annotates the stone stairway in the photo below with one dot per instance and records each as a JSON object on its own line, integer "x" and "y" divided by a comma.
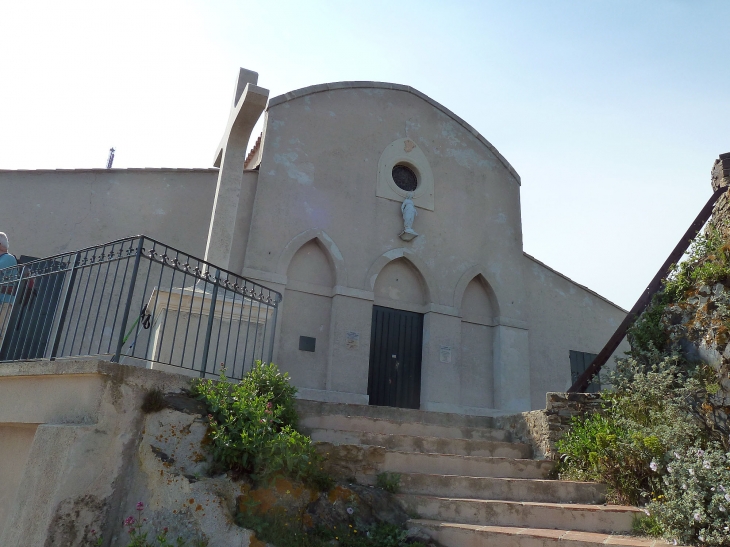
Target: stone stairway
{"x": 466, "y": 481}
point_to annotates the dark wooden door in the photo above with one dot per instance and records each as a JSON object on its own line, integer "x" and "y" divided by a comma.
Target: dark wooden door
{"x": 579, "y": 362}
{"x": 396, "y": 347}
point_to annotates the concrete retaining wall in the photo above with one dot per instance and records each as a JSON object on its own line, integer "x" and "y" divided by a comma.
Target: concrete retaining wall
{"x": 77, "y": 454}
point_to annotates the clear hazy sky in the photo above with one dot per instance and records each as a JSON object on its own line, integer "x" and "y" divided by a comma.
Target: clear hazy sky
{"x": 612, "y": 112}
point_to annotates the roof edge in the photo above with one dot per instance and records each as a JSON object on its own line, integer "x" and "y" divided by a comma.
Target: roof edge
{"x": 556, "y": 272}
{"x": 332, "y": 86}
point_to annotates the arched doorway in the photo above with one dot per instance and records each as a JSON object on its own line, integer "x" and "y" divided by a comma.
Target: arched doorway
{"x": 396, "y": 338}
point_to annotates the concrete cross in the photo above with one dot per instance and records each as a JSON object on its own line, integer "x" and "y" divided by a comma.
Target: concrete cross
{"x": 249, "y": 101}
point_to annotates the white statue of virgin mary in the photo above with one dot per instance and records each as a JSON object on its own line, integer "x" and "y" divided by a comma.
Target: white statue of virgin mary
{"x": 409, "y": 214}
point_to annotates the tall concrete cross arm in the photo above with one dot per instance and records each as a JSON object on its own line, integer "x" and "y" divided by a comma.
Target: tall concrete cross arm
{"x": 249, "y": 101}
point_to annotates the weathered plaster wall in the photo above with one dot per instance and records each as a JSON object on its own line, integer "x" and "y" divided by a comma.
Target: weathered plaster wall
{"x": 564, "y": 316}
{"x": 318, "y": 178}
{"x": 46, "y": 212}
{"x": 14, "y": 450}
{"x": 328, "y": 181}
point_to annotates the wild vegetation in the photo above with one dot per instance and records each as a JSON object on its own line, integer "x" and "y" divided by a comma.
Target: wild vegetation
{"x": 662, "y": 439}
{"x": 252, "y": 428}
{"x": 253, "y": 436}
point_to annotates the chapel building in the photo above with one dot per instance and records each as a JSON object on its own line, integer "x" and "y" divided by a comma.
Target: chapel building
{"x": 391, "y": 227}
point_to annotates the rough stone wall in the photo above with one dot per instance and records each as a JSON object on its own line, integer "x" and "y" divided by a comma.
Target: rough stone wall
{"x": 720, "y": 176}
{"x": 543, "y": 428}
{"x": 562, "y": 408}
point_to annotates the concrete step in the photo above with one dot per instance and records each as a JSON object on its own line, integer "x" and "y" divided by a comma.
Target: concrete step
{"x": 587, "y": 518}
{"x": 468, "y": 466}
{"x": 469, "y": 535}
{"x": 389, "y": 427}
{"x": 318, "y": 408}
{"x": 430, "y": 445}
{"x": 534, "y": 490}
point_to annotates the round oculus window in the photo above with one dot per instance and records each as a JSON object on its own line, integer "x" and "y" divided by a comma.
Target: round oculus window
{"x": 405, "y": 178}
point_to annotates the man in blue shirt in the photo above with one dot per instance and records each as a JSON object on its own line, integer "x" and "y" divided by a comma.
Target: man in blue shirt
{"x": 6, "y": 259}
{"x": 6, "y": 290}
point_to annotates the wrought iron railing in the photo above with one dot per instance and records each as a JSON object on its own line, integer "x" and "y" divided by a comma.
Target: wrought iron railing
{"x": 137, "y": 301}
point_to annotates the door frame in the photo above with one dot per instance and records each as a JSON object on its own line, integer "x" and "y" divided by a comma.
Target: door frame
{"x": 396, "y": 357}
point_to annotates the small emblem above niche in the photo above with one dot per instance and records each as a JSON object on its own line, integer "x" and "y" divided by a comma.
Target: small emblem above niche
{"x": 402, "y": 170}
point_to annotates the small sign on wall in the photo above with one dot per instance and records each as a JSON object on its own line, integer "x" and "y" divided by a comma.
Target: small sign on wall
{"x": 445, "y": 354}
{"x": 307, "y": 343}
{"x": 353, "y": 340}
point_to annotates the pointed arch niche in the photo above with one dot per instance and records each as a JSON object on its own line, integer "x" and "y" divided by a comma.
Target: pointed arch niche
{"x": 311, "y": 276}
{"x": 478, "y": 309}
{"x": 400, "y": 285}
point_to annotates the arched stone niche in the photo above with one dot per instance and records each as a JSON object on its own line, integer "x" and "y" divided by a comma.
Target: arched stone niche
{"x": 400, "y": 285}
{"x": 307, "y": 312}
{"x": 407, "y": 153}
{"x": 310, "y": 264}
{"x": 478, "y": 306}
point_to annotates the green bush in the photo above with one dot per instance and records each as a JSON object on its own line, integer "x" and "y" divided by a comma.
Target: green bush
{"x": 645, "y": 415}
{"x": 707, "y": 262}
{"x": 252, "y": 427}
{"x": 663, "y": 437}
{"x": 696, "y": 502}
{"x": 647, "y": 334}
{"x": 597, "y": 448}
{"x": 267, "y": 381}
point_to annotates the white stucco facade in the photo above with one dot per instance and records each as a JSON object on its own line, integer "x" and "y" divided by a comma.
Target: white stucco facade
{"x": 315, "y": 213}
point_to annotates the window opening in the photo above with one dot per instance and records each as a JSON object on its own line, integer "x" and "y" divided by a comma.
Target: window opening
{"x": 405, "y": 178}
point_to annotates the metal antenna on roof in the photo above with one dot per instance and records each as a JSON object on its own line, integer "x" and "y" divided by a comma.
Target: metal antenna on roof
{"x": 110, "y": 160}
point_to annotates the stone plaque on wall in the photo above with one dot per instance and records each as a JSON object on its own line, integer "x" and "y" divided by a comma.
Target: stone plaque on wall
{"x": 445, "y": 354}
{"x": 353, "y": 339}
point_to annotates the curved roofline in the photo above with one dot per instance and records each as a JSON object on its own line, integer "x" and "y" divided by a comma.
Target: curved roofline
{"x": 319, "y": 88}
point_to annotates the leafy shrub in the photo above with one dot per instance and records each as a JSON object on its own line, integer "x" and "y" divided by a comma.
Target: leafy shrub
{"x": 707, "y": 261}
{"x": 647, "y": 334}
{"x": 697, "y": 497}
{"x": 252, "y": 427}
{"x": 267, "y": 380}
{"x": 598, "y": 448}
{"x": 645, "y": 416}
{"x": 664, "y": 435}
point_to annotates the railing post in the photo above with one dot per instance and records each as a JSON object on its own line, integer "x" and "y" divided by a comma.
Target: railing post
{"x": 54, "y": 336}
{"x": 209, "y": 329}
{"x": 130, "y": 294}
{"x": 273, "y": 333}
